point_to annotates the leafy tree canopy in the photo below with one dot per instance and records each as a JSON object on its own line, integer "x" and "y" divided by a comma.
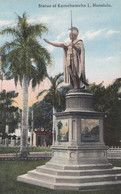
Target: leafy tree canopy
{"x": 25, "y": 55}
{"x": 42, "y": 116}
{"x": 55, "y": 95}
{"x": 107, "y": 100}
{"x": 9, "y": 114}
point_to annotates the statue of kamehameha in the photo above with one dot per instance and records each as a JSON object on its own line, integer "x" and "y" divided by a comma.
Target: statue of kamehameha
{"x": 74, "y": 59}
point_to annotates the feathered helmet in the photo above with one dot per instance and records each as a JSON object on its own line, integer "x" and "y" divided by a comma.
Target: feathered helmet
{"x": 74, "y": 31}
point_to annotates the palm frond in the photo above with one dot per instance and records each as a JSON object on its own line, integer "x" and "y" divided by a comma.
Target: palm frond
{"x": 8, "y": 46}
{"x": 37, "y": 29}
{"x": 41, "y": 93}
{"x": 58, "y": 76}
{"x": 12, "y": 31}
{"x": 49, "y": 77}
{"x": 19, "y": 18}
{"x": 60, "y": 81}
{"x": 39, "y": 52}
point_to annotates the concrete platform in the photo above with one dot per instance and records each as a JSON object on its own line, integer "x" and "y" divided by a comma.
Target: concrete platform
{"x": 74, "y": 177}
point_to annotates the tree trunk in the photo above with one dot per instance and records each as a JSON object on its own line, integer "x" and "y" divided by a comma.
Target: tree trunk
{"x": 32, "y": 127}
{"x": 24, "y": 126}
{"x": 6, "y": 131}
{"x": 54, "y": 126}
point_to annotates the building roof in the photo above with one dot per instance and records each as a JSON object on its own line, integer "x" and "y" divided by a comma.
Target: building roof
{"x": 42, "y": 132}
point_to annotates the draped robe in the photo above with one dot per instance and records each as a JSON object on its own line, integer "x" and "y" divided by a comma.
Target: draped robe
{"x": 78, "y": 57}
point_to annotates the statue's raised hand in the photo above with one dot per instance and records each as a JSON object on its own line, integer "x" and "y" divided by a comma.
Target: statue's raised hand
{"x": 46, "y": 40}
{"x": 54, "y": 43}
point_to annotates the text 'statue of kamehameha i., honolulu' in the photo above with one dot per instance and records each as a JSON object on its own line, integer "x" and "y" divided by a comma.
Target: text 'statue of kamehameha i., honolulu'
{"x": 74, "y": 60}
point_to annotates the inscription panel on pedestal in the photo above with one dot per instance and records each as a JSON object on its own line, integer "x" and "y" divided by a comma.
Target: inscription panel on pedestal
{"x": 92, "y": 154}
{"x": 90, "y": 130}
{"x": 63, "y": 128}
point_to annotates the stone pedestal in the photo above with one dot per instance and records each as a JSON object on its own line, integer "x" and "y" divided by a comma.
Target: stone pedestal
{"x": 84, "y": 130}
{"x": 79, "y": 160}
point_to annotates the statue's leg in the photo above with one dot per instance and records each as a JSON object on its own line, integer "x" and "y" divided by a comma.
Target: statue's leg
{"x": 74, "y": 78}
{"x": 74, "y": 71}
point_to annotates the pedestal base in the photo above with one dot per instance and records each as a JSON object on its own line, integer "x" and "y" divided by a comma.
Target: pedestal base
{"x": 74, "y": 177}
{"x": 75, "y": 168}
{"x": 86, "y": 153}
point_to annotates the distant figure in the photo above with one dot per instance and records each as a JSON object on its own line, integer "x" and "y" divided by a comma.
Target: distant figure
{"x": 74, "y": 60}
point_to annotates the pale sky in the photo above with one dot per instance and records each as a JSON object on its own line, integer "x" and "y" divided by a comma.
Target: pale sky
{"x": 99, "y": 27}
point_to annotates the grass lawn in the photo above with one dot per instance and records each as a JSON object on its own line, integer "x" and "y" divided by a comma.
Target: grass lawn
{"x": 9, "y": 170}
{"x": 6, "y": 150}
{"x": 39, "y": 149}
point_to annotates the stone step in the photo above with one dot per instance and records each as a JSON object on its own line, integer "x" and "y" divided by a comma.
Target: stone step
{"x": 88, "y": 186}
{"x": 89, "y": 179}
{"x": 46, "y": 170}
{"x": 79, "y": 167}
{"x": 27, "y": 179}
{"x": 73, "y": 179}
{"x": 69, "y": 186}
{"x": 42, "y": 176}
{"x": 53, "y": 171}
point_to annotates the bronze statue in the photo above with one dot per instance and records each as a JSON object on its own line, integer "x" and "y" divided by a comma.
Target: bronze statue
{"x": 74, "y": 60}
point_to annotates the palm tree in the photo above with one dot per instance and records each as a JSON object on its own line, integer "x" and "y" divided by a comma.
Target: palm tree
{"x": 53, "y": 95}
{"x": 25, "y": 60}
{"x": 1, "y": 74}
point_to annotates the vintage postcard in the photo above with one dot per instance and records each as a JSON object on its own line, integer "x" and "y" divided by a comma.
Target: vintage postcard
{"x": 49, "y": 48}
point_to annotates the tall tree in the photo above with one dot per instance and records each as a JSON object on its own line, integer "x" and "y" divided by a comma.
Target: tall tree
{"x": 107, "y": 100}
{"x": 42, "y": 115}
{"x": 25, "y": 60}
{"x": 1, "y": 75}
{"x": 52, "y": 94}
{"x": 9, "y": 114}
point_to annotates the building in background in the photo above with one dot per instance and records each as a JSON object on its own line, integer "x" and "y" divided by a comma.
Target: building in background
{"x": 41, "y": 138}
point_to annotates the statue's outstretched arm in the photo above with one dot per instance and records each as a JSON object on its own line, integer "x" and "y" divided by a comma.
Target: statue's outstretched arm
{"x": 54, "y": 43}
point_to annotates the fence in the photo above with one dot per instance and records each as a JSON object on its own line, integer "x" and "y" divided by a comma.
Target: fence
{"x": 9, "y": 142}
{"x": 31, "y": 156}
{"x": 112, "y": 153}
